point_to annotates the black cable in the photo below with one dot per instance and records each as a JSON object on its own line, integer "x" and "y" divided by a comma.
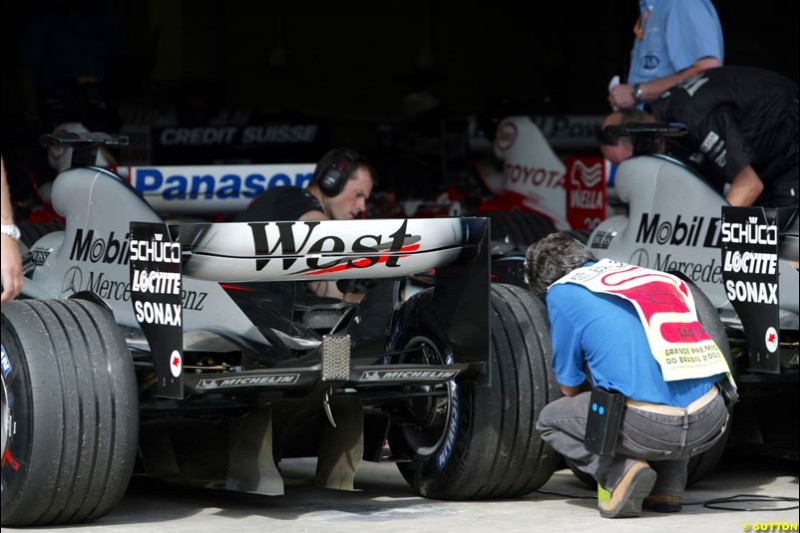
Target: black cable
{"x": 741, "y": 498}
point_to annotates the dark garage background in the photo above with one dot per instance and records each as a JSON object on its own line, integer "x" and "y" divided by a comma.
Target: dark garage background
{"x": 349, "y": 67}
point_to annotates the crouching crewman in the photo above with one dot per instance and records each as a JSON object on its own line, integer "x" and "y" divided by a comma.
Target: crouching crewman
{"x": 620, "y": 334}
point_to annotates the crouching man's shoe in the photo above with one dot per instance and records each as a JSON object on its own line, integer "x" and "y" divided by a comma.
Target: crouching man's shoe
{"x": 663, "y": 503}
{"x": 626, "y": 499}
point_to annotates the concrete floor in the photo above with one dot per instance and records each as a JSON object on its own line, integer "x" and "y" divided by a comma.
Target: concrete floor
{"x": 383, "y": 502}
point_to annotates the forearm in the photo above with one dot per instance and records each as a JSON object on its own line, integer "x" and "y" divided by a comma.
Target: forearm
{"x": 621, "y": 96}
{"x": 326, "y": 289}
{"x": 746, "y": 187}
{"x": 655, "y": 88}
{"x": 572, "y": 391}
{"x": 6, "y": 212}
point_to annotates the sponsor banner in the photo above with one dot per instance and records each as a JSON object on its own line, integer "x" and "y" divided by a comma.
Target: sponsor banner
{"x": 213, "y": 189}
{"x": 749, "y": 244}
{"x": 570, "y": 131}
{"x": 680, "y": 230}
{"x": 586, "y": 192}
{"x": 155, "y": 288}
{"x": 209, "y": 143}
{"x": 680, "y": 344}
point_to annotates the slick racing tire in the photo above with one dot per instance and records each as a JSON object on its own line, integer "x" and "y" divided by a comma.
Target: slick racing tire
{"x": 69, "y": 412}
{"x": 30, "y": 232}
{"x": 519, "y": 228}
{"x": 473, "y": 441}
{"x": 699, "y": 465}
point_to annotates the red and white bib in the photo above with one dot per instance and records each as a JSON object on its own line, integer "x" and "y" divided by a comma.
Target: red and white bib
{"x": 680, "y": 344}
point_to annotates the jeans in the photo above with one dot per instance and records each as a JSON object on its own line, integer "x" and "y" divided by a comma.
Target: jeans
{"x": 665, "y": 441}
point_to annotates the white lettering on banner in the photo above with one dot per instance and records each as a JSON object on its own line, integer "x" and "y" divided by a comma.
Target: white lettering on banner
{"x": 586, "y": 199}
{"x": 666, "y": 308}
{"x": 279, "y": 134}
{"x": 108, "y": 289}
{"x": 751, "y": 262}
{"x": 413, "y": 375}
{"x": 525, "y": 175}
{"x": 158, "y": 313}
{"x": 198, "y": 136}
{"x": 749, "y": 233}
{"x": 752, "y": 291}
{"x": 248, "y": 381}
{"x": 159, "y": 251}
{"x": 156, "y": 282}
{"x": 589, "y": 176}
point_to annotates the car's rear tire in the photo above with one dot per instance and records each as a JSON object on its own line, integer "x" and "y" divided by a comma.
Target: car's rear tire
{"x": 701, "y": 465}
{"x": 30, "y": 232}
{"x": 519, "y": 228}
{"x": 486, "y": 444}
{"x": 70, "y": 412}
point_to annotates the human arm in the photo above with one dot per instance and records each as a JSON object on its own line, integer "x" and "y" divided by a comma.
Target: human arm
{"x": 568, "y": 357}
{"x": 328, "y": 289}
{"x": 574, "y": 391}
{"x": 745, "y": 189}
{"x": 10, "y": 258}
{"x": 621, "y": 96}
{"x": 686, "y": 41}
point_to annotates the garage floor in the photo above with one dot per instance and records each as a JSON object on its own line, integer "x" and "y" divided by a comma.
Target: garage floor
{"x": 384, "y": 503}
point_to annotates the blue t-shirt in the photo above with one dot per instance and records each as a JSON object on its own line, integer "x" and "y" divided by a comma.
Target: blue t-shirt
{"x": 605, "y": 333}
{"x": 677, "y": 34}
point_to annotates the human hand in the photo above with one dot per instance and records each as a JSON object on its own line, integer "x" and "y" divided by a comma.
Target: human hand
{"x": 621, "y": 96}
{"x": 10, "y": 268}
{"x": 353, "y": 297}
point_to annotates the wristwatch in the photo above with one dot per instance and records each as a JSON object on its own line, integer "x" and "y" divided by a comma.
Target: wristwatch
{"x": 11, "y": 230}
{"x": 637, "y": 92}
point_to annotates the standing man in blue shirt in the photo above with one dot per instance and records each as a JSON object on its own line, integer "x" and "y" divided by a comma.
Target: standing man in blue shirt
{"x": 674, "y": 39}
{"x": 599, "y": 341}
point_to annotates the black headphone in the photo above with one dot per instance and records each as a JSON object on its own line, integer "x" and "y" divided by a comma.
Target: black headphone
{"x": 332, "y": 180}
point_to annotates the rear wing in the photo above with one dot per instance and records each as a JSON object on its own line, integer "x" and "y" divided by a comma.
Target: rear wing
{"x": 321, "y": 250}
{"x": 308, "y": 251}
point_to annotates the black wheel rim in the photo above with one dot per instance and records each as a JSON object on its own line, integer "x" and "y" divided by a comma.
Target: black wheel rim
{"x": 431, "y": 414}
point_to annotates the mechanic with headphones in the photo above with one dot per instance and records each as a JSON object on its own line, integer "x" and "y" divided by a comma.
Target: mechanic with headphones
{"x": 339, "y": 189}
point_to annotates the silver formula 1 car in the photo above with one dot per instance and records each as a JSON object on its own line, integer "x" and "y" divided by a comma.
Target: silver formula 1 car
{"x": 743, "y": 261}
{"x": 192, "y": 354}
